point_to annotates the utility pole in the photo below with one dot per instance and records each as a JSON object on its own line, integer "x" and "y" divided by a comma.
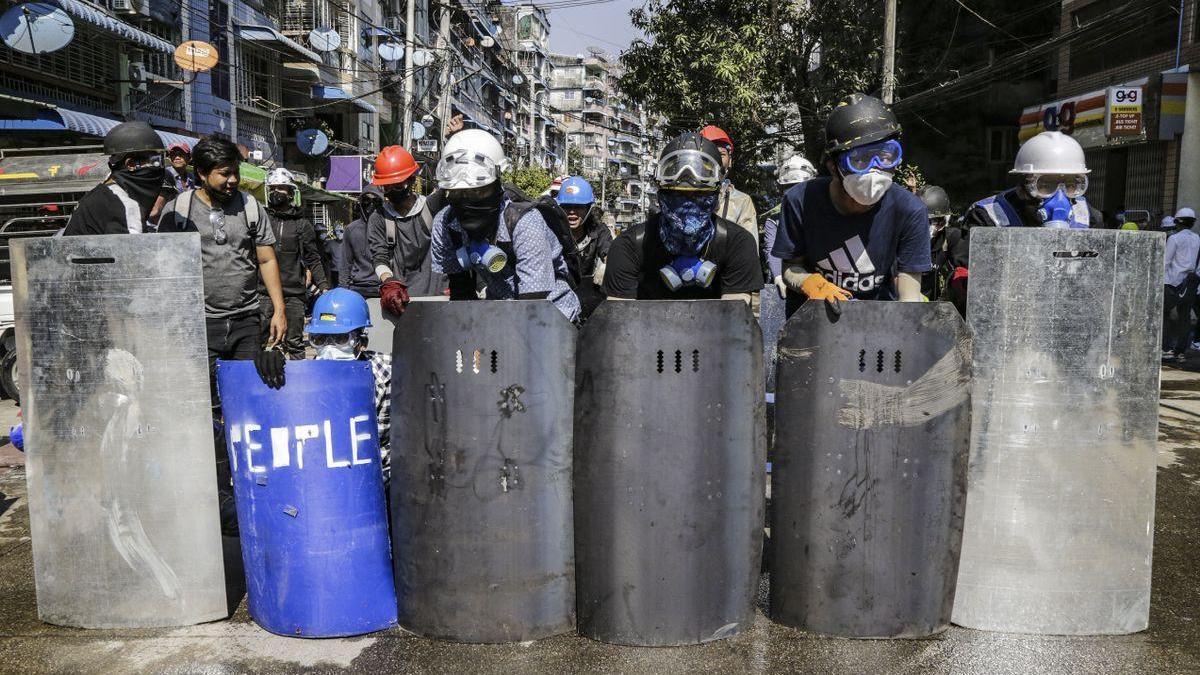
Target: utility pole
{"x": 443, "y": 44}
{"x": 409, "y": 49}
{"x": 889, "y": 52}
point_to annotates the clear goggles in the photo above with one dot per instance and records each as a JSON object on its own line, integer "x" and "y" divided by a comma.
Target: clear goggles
{"x": 343, "y": 340}
{"x": 885, "y": 155}
{"x": 466, "y": 169}
{"x": 1044, "y": 186}
{"x": 143, "y": 160}
{"x": 684, "y": 168}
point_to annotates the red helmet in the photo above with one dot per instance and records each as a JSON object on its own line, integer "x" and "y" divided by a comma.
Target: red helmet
{"x": 717, "y": 135}
{"x": 394, "y": 165}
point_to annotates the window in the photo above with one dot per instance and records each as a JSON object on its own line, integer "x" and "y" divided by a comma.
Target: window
{"x": 571, "y": 95}
{"x": 999, "y": 144}
{"x": 218, "y": 20}
{"x": 1157, "y": 23}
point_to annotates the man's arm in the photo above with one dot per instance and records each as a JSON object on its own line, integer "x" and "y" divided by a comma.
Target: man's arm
{"x": 908, "y": 287}
{"x": 268, "y": 267}
{"x": 621, "y": 273}
{"x": 377, "y": 244}
{"x": 535, "y": 255}
{"x": 312, "y": 255}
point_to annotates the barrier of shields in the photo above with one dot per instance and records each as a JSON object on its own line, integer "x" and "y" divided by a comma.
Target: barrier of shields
{"x": 670, "y": 450}
{"x": 115, "y": 397}
{"x": 868, "y": 481}
{"x": 309, "y": 487}
{"x": 1060, "y": 510}
{"x": 481, "y": 470}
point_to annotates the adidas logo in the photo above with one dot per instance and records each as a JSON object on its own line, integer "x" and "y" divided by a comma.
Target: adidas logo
{"x": 850, "y": 267}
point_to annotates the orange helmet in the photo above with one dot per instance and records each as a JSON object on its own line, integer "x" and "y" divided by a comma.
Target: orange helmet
{"x": 717, "y": 135}
{"x": 394, "y": 165}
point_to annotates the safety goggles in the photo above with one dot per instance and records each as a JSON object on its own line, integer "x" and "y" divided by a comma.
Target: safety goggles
{"x": 690, "y": 167}
{"x": 1044, "y": 186}
{"x": 464, "y": 169}
{"x": 343, "y": 340}
{"x": 142, "y": 161}
{"x": 885, "y": 155}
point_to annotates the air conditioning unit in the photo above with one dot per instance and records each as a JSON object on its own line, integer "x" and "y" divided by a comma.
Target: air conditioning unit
{"x": 123, "y": 5}
{"x": 138, "y": 78}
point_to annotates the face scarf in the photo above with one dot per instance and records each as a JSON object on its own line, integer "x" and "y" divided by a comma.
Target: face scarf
{"x": 143, "y": 185}
{"x": 478, "y": 216}
{"x": 398, "y": 195}
{"x": 687, "y": 223}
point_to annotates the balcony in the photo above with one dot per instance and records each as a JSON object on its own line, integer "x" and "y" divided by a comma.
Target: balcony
{"x": 594, "y": 84}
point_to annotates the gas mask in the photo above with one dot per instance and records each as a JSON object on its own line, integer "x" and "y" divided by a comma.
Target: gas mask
{"x": 1056, "y": 211}
{"x": 279, "y": 200}
{"x": 688, "y": 271}
{"x": 336, "y": 353}
{"x": 483, "y": 255}
{"x": 867, "y": 188}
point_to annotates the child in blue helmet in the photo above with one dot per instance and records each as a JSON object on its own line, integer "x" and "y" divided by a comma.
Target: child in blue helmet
{"x": 337, "y": 330}
{"x": 592, "y": 238}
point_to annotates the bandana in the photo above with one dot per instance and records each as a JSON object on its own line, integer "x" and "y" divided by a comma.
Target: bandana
{"x": 687, "y": 223}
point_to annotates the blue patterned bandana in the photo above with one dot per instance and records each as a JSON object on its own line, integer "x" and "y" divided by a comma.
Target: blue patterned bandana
{"x": 687, "y": 222}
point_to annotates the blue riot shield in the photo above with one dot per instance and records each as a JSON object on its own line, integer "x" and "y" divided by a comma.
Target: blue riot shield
{"x": 310, "y": 500}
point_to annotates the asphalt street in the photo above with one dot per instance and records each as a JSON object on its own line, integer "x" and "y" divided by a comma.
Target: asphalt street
{"x": 1171, "y": 645}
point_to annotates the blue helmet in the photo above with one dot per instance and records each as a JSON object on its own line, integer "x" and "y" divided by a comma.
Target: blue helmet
{"x": 340, "y": 310}
{"x": 575, "y": 191}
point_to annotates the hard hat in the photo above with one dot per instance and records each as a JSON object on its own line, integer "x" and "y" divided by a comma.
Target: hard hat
{"x": 689, "y": 163}
{"x": 281, "y": 176}
{"x": 128, "y": 138}
{"x": 394, "y": 165}
{"x": 338, "y": 311}
{"x": 1050, "y": 152}
{"x": 471, "y": 158}
{"x": 575, "y": 191}
{"x": 1167, "y": 223}
{"x": 717, "y": 135}
{"x": 937, "y": 202}
{"x": 859, "y": 120}
{"x": 1185, "y": 212}
{"x": 796, "y": 169}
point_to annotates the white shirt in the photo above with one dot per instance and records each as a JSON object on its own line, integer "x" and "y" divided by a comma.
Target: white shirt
{"x": 1183, "y": 248}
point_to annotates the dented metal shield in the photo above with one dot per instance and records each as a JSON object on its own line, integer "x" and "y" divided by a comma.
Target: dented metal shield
{"x": 481, "y": 470}
{"x": 669, "y": 468}
{"x": 873, "y": 415}
{"x": 1060, "y": 512}
{"x": 118, "y": 425}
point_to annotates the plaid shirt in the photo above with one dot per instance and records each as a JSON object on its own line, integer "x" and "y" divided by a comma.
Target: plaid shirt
{"x": 381, "y": 368}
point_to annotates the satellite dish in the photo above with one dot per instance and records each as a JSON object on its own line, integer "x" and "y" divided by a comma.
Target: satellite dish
{"x": 390, "y": 51}
{"x": 195, "y": 56}
{"x": 312, "y": 141}
{"x": 517, "y": 79}
{"x": 427, "y": 120}
{"x": 418, "y": 131}
{"x": 324, "y": 39}
{"x": 487, "y": 42}
{"x": 36, "y": 28}
{"x": 421, "y": 58}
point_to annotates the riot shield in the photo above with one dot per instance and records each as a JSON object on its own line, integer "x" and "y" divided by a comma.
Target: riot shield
{"x": 122, "y": 483}
{"x": 481, "y": 470}
{"x": 309, "y": 488}
{"x": 1060, "y": 511}
{"x": 869, "y": 471}
{"x": 669, "y": 455}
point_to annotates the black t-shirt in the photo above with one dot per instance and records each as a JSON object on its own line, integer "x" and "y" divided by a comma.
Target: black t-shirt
{"x": 632, "y": 271}
{"x": 98, "y": 212}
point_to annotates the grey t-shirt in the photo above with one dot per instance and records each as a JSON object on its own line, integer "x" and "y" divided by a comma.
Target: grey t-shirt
{"x": 231, "y": 267}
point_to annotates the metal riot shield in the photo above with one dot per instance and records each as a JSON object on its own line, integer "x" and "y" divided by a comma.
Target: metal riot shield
{"x": 121, "y": 473}
{"x": 1060, "y": 511}
{"x": 669, "y": 461}
{"x": 869, "y": 468}
{"x": 481, "y": 470}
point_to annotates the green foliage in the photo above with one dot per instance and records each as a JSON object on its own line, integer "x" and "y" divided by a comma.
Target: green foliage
{"x": 532, "y": 180}
{"x": 574, "y": 161}
{"x": 744, "y": 65}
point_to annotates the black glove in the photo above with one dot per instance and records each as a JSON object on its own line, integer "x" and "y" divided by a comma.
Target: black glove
{"x": 270, "y": 368}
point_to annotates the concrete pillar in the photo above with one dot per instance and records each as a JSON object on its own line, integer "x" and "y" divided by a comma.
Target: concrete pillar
{"x": 1188, "y": 192}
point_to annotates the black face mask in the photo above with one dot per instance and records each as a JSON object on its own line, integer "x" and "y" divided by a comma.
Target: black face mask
{"x": 143, "y": 185}
{"x": 217, "y": 196}
{"x": 399, "y": 195}
{"x": 367, "y": 207}
{"x": 476, "y": 216}
{"x": 279, "y": 201}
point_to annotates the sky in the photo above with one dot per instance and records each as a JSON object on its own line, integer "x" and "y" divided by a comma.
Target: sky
{"x": 605, "y": 25}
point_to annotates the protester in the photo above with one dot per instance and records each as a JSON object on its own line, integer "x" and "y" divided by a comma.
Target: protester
{"x": 356, "y": 270}
{"x": 794, "y": 171}
{"x": 490, "y": 245}
{"x": 179, "y": 176}
{"x": 592, "y": 239}
{"x": 123, "y": 203}
{"x": 733, "y": 205}
{"x": 943, "y": 238}
{"x": 1181, "y": 267}
{"x": 299, "y": 257}
{"x": 686, "y": 251}
{"x": 855, "y": 234}
{"x": 399, "y": 231}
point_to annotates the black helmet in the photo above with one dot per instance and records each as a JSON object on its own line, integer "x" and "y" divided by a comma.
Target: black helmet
{"x": 937, "y": 202}
{"x": 691, "y": 163}
{"x": 129, "y": 138}
{"x": 859, "y": 120}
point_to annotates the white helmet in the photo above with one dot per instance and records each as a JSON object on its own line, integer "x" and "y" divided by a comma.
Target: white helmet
{"x": 1050, "y": 152}
{"x": 281, "y": 176}
{"x": 471, "y": 158}
{"x": 796, "y": 169}
{"x": 1185, "y": 212}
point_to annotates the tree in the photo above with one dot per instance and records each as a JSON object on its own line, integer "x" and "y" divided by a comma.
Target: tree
{"x": 574, "y": 161}
{"x": 752, "y": 67}
{"x": 532, "y": 180}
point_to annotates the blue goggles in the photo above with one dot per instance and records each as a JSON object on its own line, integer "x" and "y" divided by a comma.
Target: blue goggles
{"x": 885, "y": 155}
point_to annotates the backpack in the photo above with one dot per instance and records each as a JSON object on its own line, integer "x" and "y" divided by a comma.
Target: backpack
{"x": 556, "y": 220}
{"x": 183, "y": 209}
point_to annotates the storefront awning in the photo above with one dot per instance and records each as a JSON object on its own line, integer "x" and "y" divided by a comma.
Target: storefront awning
{"x": 101, "y": 19}
{"x": 324, "y": 92}
{"x": 269, "y": 34}
{"x": 62, "y": 119}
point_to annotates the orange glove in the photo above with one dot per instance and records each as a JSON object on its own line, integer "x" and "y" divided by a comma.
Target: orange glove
{"x": 817, "y": 287}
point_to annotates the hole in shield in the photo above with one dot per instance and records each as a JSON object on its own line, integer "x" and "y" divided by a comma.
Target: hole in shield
{"x": 476, "y": 359}
{"x": 458, "y": 361}
{"x": 1076, "y": 255}
{"x": 695, "y": 360}
{"x": 862, "y": 360}
{"x": 897, "y": 365}
{"x": 879, "y": 361}
{"x": 80, "y": 260}
{"x": 678, "y": 361}
{"x": 494, "y": 360}
{"x": 660, "y": 361}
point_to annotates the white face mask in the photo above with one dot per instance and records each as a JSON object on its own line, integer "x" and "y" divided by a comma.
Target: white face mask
{"x": 336, "y": 353}
{"x": 867, "y": 188}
